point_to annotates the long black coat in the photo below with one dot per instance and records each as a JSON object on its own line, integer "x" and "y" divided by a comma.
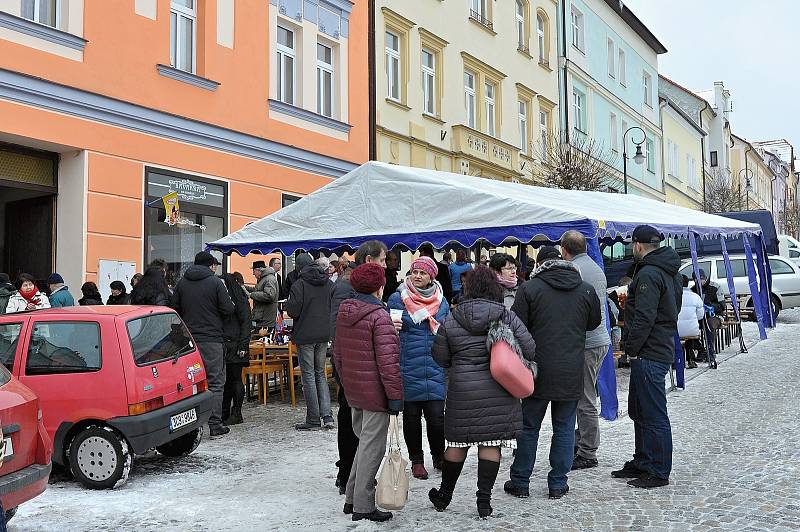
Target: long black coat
{"x": 236, "y": 329}
{"x": 309, "y": 304}
{"x": 477, "y": 408}
{"x": 558, "y": 308}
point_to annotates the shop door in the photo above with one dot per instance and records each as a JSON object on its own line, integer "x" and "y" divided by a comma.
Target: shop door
{"x": 29, "y": 237}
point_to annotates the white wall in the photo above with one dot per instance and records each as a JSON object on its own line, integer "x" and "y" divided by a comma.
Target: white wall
{"x": 71, "y": 218}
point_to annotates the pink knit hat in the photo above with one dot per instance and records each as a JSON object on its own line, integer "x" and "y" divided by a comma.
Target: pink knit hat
{"x": 426, "y": 264}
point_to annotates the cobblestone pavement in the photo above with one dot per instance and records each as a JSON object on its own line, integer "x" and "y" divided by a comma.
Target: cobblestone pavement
{"x": 735, "y": 467}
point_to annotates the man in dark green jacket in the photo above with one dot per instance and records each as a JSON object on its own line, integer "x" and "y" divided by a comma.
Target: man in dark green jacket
{"x": 651, "y": 324}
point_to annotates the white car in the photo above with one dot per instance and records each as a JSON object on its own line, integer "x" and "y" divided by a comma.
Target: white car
{"x": 789, "y": 247}
{"x": 785, "y": 278}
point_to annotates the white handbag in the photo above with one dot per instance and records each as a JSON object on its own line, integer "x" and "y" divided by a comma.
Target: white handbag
{"x": 391, "y": 492}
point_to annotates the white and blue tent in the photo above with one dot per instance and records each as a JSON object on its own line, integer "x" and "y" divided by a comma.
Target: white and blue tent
{"x": 411, "y": 206}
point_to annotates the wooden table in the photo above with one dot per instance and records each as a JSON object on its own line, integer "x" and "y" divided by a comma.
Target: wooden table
{"x": 283, "y": 354}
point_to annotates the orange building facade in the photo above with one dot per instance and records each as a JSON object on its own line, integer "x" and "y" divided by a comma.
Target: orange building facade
{"x": 238, "y": 107}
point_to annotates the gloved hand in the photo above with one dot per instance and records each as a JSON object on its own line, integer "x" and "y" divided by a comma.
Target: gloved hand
{"x": 395, "y": 407}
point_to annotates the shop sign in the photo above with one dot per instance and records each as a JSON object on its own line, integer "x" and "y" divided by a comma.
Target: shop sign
{"x": 188, "y": 190}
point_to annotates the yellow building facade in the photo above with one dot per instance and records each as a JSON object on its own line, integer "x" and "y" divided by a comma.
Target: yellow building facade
{"x": 748, "y": 167}
{"x": 470, "y": 87}
{"x": 683, "y": 157}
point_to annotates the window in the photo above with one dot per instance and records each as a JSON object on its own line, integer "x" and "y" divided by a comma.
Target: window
{"x": 779, "y": 267}
{"x": 469, "y": 98}
{"x": 544, "y": 130}
{"x": 612, "y": 59}
{"x": 287, "y": 58}
{"x": 621, "y": 61}
{"x": 158, "y": 337}
{"x": 691, "y": 172}
{"x": 522, "y": 41}
{"x": 429, "y": 82}
{"x": 713, "y": 159}
{"x": 613, "y": 133}
{"x": 523, "y": 126}
{"x": 704, "y": 266}
{"x": 64, "y": 347}
{"x": 489, "y": 96}
{"x": 651, "y": 156}
{"x": 541, "y": 40}
{"x": 393, "y": 65}
{"x": 324, "y": 80}
{"x": 42, "y": 11}
{"x": 673, "y": 163}
{"x": 182, "y": 25}
{"x": 737, "y": 269}
{"x": 647, "y": 84}
{"x": 577, "y": 29}
{"x": 9, "y": 337}
{"x": 479, "y": 12}
{"x": 577, "y": 110}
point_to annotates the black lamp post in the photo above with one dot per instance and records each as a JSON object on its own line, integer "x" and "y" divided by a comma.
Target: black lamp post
{"x": 638, "y": 158}
{"x": 748, "y": 187}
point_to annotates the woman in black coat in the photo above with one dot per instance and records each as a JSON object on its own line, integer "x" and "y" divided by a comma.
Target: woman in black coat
{"x": 91, "y": 295}
{"x": 119, "y": 296}
{"x": 236, "y": 330}
{"x": 478, "y": 410}
{"x": 151, "y": 289}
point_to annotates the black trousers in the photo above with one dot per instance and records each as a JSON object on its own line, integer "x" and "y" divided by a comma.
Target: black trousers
{"x": 234, "y": 389}
{"x": 412, "y": 428}
{"x": 345, "y": 438}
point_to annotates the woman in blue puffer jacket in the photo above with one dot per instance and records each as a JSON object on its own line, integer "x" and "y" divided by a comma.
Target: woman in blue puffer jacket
{"x": 421, "y": 300}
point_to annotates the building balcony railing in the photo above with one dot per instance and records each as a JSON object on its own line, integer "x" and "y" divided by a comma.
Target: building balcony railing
{"x": 480, "y": 19}
{"x": 524, "y": 48}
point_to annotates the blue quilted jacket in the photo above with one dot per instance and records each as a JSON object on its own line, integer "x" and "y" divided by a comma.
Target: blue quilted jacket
{"x": 423, "y": 378}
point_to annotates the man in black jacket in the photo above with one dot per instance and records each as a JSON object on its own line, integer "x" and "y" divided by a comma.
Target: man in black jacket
{"x": 309, "y": 304}
{"x": 558, "y": 308}
{"x": 651, "y": 324}
{"x": 202, "y": 301}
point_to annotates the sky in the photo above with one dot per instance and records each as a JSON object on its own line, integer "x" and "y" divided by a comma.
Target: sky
{"x": 751, "y": 46}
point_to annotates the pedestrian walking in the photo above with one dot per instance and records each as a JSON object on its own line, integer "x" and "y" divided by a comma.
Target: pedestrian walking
{"x": 587, "y": 433}
{"x": 91, "y": 294}
{"x": 119, "y": 296}
{"x": 367, "y": 358}
{"x": 505, "y": 267}
{"x": 26, "y": 296}
{"x": 6, "y": 291}
{"x": 236, "y": 332}
{"x": 421, "y": 301}
{"x": 309, "y": 304}
{"x": 151, "y": 289}
{"x": 456, "y": 269}
{"x": 59, "y": 292}
{"x": 479, "y": 411}
{"x": 203, "y": 302}
{"x": 690, "y": 318}
{"x": 265, "y": 298}
{"x": 648, "y": 336}
{"x": 558, "y": 308}
{"x": 347, "y": 441}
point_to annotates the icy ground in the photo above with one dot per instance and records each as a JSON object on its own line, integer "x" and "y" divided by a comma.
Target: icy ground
{"x": 735, "y": 467}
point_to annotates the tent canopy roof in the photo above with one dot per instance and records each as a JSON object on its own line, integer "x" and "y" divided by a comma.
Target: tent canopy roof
{"x": 411, "y": 206}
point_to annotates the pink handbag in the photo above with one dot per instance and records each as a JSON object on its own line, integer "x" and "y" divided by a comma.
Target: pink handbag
{"x": 508, "y": 370}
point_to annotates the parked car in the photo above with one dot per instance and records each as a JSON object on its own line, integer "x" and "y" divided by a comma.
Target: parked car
{"x": 112, "y": 381}
{"x": 785, "y": 278}
{"x": 26, "y": 448}
{"x": 790, "y": 248}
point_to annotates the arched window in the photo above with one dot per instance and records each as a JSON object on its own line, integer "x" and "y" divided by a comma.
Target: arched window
{"x": 543, "y": 37}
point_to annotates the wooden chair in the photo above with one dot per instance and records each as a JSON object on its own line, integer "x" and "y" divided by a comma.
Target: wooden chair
{"x": 261, "y": 368}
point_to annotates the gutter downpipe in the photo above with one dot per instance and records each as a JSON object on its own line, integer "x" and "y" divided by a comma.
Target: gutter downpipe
{"x": 566, "y": 62}
{"x": 703, "y": 150}
{"x": 372, "y": 82}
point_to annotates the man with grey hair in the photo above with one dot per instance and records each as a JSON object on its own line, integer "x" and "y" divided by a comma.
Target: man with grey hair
{"x": 265, "y": 297}
{"x": 587, "y": 435}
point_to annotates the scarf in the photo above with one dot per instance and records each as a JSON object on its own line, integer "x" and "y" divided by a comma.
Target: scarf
{"x": 422, "y": 307}
{"x": 29, "y": 295}
{"x": 510, "y": 284}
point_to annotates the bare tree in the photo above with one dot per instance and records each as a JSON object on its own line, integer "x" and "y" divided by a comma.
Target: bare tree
{"x": 581, "y": 164}
{"x": 721, "y": 196}
{"x": 789, "y": 221}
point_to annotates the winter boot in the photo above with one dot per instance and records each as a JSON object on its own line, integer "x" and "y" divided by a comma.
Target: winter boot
{"x": 236, "y": 417}
{"x": 487, "y": 474}
{"x": 450, "y": 472}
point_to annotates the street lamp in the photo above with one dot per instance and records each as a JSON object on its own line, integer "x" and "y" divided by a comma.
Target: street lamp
{"x": 638, "y": 158}
{"x": 748, "y": 187}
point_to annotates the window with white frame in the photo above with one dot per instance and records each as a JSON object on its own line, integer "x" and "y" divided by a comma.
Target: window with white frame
{"x": 287, "y": 65}
{"x": 182, "y": 36}
{"x": 42, "y": 11}
{"x": 540, "y": 38}
{"x": 578, "y": 38}
{"x": 647, "y": 87}
{"x": 490, "y": 107}
{"x": 612, "y": 59}
{"x": 676, "y": 168}
{"x": 523, "y": 126}
{"x": 670, "y": 165}
{"x": 428, "y": 82}
{"x": 612, "y": 131}
{"x": 469, "y": 98}
{"x": 577, "y": 110}
{"x": 621, "y": 61}
{"x": 520, "y": 21}
{"x": 691, "y": 171}
{"x": 544, "y": 130}
{"x": 478, "y": 9}
{"x": 651, "y": 155}
{"x": 393, "y": 65}
{"x": 325, "y": 79}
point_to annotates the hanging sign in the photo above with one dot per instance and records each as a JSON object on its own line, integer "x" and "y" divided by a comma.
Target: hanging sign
{"x": 171, "y": 207}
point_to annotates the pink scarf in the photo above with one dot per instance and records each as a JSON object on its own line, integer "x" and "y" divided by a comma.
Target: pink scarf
{"x": 510, "y": 284}
{"x": 419, "y": 307}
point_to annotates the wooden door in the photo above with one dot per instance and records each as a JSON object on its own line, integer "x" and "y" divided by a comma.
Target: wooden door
{"x": 29, "y": 237}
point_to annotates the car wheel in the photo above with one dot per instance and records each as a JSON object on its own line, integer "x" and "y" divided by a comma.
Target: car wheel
{"x": 100, "y": 458}
{"x": 11, "y": 512}
{"x": 183, "y": 445}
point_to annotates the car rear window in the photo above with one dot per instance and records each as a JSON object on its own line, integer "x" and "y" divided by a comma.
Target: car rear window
{"x": 64, "y": 347}
{"x": 159, "y": 337}
{"x": 779, "y": 267}
{"x": 9, "y": 337}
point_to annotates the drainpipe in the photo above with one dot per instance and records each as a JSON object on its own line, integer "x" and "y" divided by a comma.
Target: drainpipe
{"x": 703, "y": 155}
{"x": 372, "y": 83}
{"x": 566, "y": 62}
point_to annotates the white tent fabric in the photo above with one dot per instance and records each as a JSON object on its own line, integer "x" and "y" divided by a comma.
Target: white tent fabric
{"x": 410, "y": 206}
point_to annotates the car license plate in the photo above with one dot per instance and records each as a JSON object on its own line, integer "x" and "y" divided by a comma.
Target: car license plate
{"x": 181, "y": 420}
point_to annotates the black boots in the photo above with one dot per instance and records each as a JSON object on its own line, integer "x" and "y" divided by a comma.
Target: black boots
{"x": 487, "y": 474}
{"x": 235, "y": 417}
{"x": 450, "y": 472}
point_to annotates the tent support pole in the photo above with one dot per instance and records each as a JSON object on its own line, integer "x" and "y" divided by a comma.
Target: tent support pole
{"x": 753, "y": 283}
{"x": 606, "y": 375}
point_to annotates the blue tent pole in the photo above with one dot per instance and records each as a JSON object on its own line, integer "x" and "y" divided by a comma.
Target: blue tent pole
{"x": 696, "y": 270}
{"x": 729, "y": 272}
{"x": 606, "y": 375}
{"x": 753, "y": 283}
{"x": 764, "y": 276}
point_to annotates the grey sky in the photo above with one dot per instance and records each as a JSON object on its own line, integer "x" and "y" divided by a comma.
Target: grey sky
{"x": 751, "y": 46}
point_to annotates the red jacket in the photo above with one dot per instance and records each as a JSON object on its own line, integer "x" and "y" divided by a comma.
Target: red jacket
{"x": 367, "y": 355}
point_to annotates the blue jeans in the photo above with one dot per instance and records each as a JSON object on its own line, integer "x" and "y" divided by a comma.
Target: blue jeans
{"x": 315, "y": 383}
{"x": 647, "y": 407}
{"x": 562, "y": 446}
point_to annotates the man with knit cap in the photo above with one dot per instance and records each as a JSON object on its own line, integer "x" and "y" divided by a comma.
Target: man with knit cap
{"x": 59, "y": 292}
{"x": 367, "y": 358}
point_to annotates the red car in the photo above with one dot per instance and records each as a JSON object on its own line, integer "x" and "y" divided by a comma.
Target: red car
{"x": 26, "y": 449}
{"x": 112, "y": 382}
